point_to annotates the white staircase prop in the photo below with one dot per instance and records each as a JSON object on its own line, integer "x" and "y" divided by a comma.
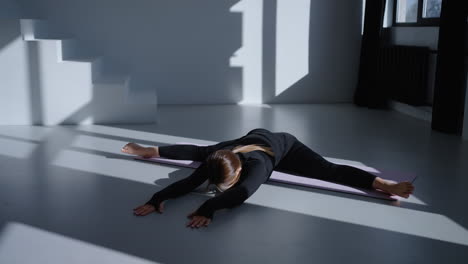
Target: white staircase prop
{"x": 77, "y": 86}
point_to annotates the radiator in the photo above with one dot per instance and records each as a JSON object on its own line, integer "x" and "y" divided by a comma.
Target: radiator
{"x": 402, "y": 72}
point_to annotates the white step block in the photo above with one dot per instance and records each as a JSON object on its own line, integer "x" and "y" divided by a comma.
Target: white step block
{"x": 73, "y": 86}
{"x": 71, "y": 96}
{"x": 65, "y": 87}
{"x": 15, "y": 106}
{"x": 27, "y": 29}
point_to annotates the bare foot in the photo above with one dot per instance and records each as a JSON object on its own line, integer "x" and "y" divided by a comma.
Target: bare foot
{"x": 135, "y": 149}
{"x": 403, "y": 189}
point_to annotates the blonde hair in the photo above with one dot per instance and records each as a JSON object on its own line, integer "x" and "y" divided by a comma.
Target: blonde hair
{"x": 253, "y": 147}
{"x": 223, "y": 165}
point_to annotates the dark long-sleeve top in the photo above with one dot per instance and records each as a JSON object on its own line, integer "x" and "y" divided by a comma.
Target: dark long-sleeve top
{"x": 257, "y": 167}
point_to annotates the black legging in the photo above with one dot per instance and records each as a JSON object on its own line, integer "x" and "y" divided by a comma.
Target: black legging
{"x": 303, "y": 161}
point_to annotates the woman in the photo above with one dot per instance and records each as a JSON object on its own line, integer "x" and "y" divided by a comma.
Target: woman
{"x": 238, "y": 167}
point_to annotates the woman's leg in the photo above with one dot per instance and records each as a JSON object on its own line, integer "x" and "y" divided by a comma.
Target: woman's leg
{"x": 303, "y": 161}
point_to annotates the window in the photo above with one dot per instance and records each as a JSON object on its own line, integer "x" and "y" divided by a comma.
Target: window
{"x": 407, "y": 11}
{"x": 417, "y": 12}
{"x": 431, "y": 8}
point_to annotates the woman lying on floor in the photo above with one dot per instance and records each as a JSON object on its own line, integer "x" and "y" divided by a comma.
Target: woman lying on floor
{"x": 238, "y": 167}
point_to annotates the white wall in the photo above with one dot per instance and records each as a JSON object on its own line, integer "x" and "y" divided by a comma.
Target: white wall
{"x": 15, "y": 96}
{"x": 9, "y": 9}
{"x": 183, "y": 48}
{"x": 15, "y": 107}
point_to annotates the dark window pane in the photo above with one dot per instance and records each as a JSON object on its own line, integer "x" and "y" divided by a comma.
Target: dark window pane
{"x": 431, "y": 8}
{"x": 407, "y": 11}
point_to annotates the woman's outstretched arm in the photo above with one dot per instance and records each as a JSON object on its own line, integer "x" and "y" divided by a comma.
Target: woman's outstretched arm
{"x": 177, "y": 151}
{"x": 192, "y": 152}
{"x": 234, "y": 196}
{"x": 181, "y": 187}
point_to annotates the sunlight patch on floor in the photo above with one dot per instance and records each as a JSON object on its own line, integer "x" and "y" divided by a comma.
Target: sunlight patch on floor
{"x": 21, "y": 243}
{"x": 35, "y": 133}
{"x": 127, "y": 169}
{"x": 15, "y": 148}
{"x": 381, "y": 216}
{"x": 138, "y": 135}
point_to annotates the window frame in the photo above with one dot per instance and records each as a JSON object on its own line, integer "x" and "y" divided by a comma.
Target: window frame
{"x": 421, "y": 22}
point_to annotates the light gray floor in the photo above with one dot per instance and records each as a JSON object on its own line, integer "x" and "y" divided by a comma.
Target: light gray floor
{"x": 67, "y": 193}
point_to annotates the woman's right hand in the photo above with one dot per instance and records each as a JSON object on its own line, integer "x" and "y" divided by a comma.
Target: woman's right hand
{"x": 145, "y": 209}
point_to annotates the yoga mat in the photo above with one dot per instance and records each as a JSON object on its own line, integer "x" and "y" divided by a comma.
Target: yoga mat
{"x": 304, "y": 181}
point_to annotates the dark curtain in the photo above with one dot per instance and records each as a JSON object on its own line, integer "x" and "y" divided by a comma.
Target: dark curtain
{"x": 450, "y": 81}
{"x": 368, "y": 93}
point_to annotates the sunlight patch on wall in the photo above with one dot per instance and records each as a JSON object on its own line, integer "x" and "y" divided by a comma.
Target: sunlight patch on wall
{"x": 47, "y": 247}
{"x": 292, "y": 42}
{"x": 66, "y": 87}
{"x": 249, "y": 56}
{"x": 382, "y": 216}
{"x": 14, "y": 87}
{"x": 363, "y": 16}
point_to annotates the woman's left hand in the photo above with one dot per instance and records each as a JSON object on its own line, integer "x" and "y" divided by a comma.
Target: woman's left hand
{"x": 198, "y": 220}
